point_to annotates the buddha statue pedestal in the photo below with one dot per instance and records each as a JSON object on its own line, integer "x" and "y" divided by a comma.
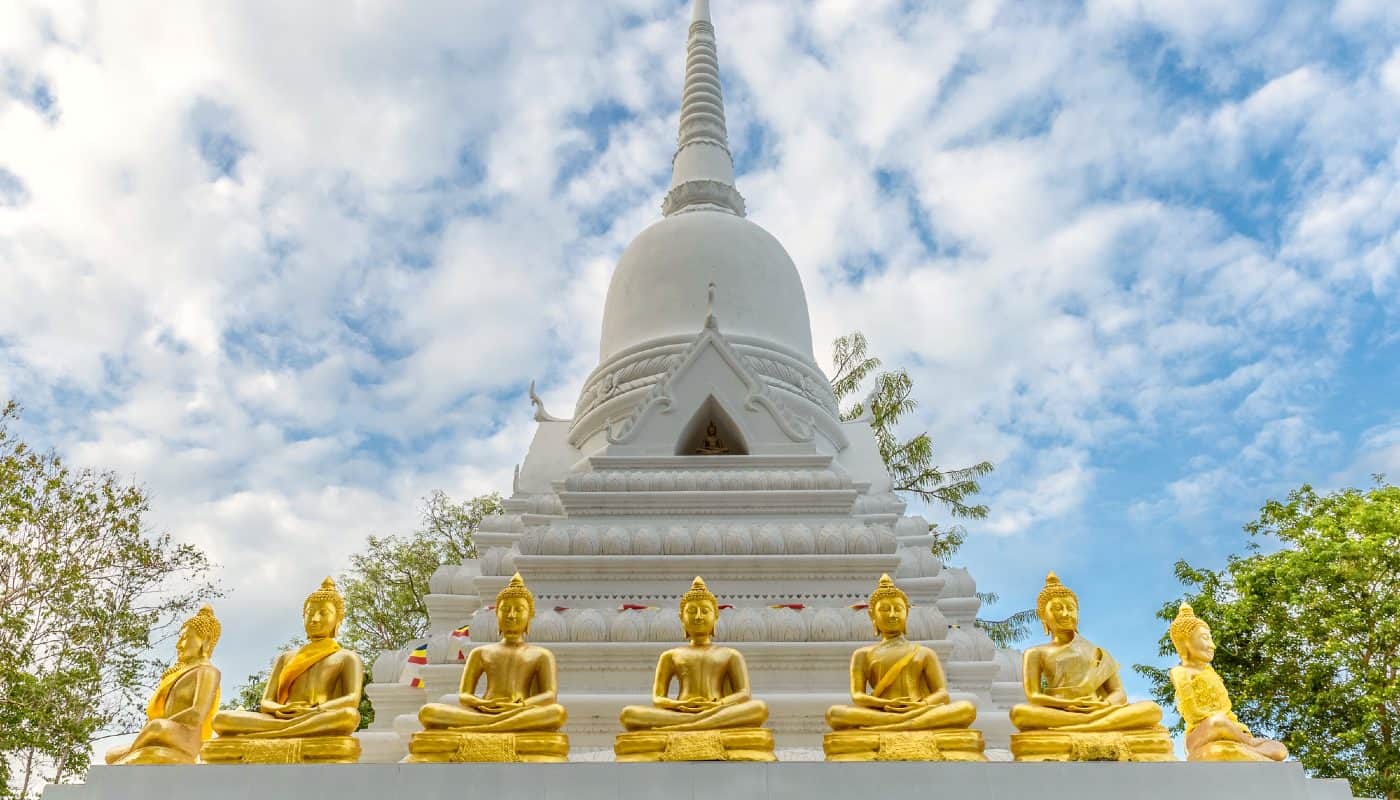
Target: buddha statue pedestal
{"x": 308, "y": 750}
{"x": 518, "y": 717}
{"x": 731, "y": 744}
{"x": 310, "y": 707}
{"x": 1153, "y": 744}
{"x": 445, "y": 746}
{"x": 949, "y": 745}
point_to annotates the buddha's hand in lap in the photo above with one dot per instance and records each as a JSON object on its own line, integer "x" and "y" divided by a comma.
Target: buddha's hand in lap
{"x": 500, "y": 706}
{"x": 696, "y": 706}
{"x": 902, "y": 705}
{"x": 292, "y": 710}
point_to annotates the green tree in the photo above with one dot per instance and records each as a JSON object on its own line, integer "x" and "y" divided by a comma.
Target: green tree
{"x": 911, "y": 463}
{"x": 387, "y": 581}
{"x": 1310, "y": 633}
{"x": 85, "y": 593}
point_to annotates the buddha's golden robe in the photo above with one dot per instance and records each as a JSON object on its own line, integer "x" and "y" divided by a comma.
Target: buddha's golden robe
{"x": 1079, "y": 669}
{"x": 896, "y": 671}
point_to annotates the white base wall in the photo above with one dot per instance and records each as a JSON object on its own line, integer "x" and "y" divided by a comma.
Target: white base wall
{"x": 793, "y": 781}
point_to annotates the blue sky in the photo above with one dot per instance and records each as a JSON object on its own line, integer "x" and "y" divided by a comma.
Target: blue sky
{"x": 293, "y": 270}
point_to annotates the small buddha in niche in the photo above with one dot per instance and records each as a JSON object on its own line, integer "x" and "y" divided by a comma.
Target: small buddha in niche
{"x": 1213, "y": 732}
{"x": 713, "y": 445}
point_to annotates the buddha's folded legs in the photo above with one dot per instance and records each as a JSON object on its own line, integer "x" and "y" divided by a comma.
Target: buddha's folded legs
{"x": 543, "y": 719}
{"x": 749, "y": 714}
{"x": 951, "y": 715}
{"x": 1027, "y": 717}
{"x": 1219, "y": 727}
{"x": 337, "y": 722}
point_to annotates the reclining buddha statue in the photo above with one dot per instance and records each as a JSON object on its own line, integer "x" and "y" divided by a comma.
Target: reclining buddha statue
{"x": 311, "y": 704}
{"x": 900, "y": 708}
{"x": 1076, "y": 708}
{"x": 517, "y": 718}
{"x": 713, "y": 716}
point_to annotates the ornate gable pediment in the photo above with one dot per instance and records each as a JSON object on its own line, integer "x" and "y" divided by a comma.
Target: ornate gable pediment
{"x": 711, "y": 374}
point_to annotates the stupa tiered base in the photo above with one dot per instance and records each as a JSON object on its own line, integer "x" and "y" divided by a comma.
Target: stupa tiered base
{"x": 949, "y": 745}
{"x": 1153, "y": 744}
{"x": 734, "y": 744}
{"x": 461, "y": 747}
{"x": 310, "y": 750}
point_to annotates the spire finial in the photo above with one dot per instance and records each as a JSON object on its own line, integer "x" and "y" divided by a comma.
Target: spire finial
{"x": 702, "y": 172}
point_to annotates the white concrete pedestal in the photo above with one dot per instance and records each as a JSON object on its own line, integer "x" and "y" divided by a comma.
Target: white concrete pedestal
{"x": 792, "y": 781}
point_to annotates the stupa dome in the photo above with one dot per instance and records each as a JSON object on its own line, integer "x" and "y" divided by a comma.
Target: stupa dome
{"x": 661, "y": 284}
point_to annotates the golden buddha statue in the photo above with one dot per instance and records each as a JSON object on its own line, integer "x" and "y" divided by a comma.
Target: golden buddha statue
{"x": 1076, "y": 709}
{"x": 518, "y": 718}
{"x": 312, "y": 702}
{"x": 713, "y": 716}
{"x": 1213, "y": 733}
{"x": 180, "y": 712}
{"x": 901, "y": 709}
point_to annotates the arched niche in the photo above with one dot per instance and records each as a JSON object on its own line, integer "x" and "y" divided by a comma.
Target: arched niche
{"x": 696, "y": 439}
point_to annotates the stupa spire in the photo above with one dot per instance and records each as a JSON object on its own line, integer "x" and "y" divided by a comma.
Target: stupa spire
{"x": 702, "y": 172}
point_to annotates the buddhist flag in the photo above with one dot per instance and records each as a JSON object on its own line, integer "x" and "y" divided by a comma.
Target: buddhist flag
{"x": 463, "y": 632}
{"x": 793, "y": 606}
{"x": 413, "y": 667}
{"x": 635, "y": 607}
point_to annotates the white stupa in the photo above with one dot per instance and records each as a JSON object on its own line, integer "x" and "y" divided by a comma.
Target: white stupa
{"x": 706, "y": 346}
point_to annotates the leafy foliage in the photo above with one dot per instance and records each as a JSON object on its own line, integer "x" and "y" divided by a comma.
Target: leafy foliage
{"x": 911, "y": 462}
{"x": 387, "y": 581}
{"x": 85, "y": 592}
{"x": 1310, "y": 634}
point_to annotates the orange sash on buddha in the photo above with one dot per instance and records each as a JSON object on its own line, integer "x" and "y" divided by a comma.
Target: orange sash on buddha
{"x": 156, "y": 708}
{"x": 302, "y": 660}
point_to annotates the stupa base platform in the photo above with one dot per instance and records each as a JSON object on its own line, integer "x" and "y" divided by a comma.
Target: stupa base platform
{"x": 310, "y": 750}
{"x": 1148, "y": 745}
{"x": 947, "y": 745}
{"x": 461, "y": 747}
{"x": 909, "y": 780}
{"x": 735, "y": 744}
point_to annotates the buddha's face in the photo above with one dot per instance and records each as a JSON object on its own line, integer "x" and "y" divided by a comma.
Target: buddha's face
{"x": 513, "y": 616}
{"x": 890, "y": 615}
{"x": 1200, "y": 644}
{"x": 698, "y": 618}
{"x": 190, "y": 646}
{"x": 1062, "y": 615}
{"x": 320, "y": 619}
